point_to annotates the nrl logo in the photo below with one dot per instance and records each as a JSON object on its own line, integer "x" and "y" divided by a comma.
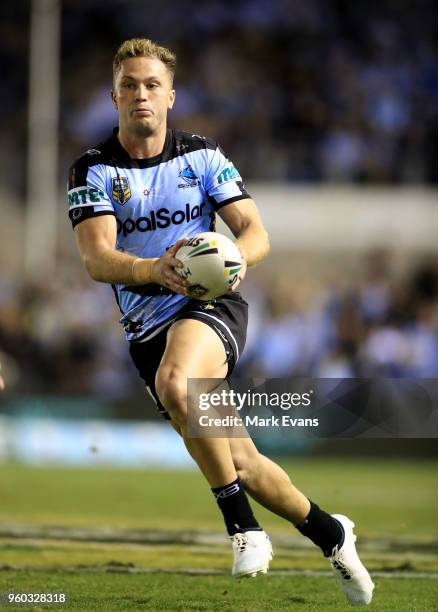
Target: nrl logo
{"x": 121, "y": 189}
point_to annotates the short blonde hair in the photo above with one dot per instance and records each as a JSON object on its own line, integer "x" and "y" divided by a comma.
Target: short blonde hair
{"x": 143, "y": 47}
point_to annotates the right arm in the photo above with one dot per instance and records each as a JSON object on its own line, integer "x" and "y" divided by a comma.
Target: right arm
{"x": 96, "y": 239}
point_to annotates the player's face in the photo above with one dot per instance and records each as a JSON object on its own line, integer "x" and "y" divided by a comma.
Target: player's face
{"x": 142, "y": 95}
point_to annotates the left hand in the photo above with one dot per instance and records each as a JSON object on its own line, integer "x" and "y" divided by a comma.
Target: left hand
{"x": 241, "y": 275}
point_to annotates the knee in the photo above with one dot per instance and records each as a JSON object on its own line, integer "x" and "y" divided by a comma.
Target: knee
{"x": 247, "y": 466}
{"x": 171, "y": 387}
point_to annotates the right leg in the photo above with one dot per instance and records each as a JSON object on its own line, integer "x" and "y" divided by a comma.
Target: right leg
{"x": 267, "y": 482}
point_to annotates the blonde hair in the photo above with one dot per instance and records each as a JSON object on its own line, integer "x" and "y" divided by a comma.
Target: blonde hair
{"x": 143, "y": 47}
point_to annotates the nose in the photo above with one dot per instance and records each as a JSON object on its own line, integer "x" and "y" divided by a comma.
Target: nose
{"x": 141, "y": 92}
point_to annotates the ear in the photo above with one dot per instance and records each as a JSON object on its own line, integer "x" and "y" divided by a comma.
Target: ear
{"x": 114, "y": 99}
{"x": 172, "y": 96}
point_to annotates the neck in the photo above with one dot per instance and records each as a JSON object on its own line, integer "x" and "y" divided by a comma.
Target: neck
{"x": 139, "y": 146}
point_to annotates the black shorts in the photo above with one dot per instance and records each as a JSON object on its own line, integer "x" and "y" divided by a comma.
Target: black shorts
{"x": 227, "y": 316}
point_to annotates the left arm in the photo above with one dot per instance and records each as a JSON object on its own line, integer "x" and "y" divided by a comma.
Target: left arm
{"x": 243, "y": 219}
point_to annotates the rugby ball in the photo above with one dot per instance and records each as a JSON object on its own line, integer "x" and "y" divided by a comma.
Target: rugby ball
{"x": 212, "y": 263}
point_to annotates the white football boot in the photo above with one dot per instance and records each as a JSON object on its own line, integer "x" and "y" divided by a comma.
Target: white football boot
{"x": 351, "y": 574}
{"x": 252, "y": 553}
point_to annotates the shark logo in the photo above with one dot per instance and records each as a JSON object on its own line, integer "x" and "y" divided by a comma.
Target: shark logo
{"x": 188, "y": 175}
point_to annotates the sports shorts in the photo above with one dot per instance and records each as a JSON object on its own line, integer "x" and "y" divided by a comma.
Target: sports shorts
{"x": 227, "y": 316}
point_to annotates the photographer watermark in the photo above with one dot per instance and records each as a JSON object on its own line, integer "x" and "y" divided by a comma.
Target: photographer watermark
{"x": 229, "y": 398}
{"x": 315, "y": 408}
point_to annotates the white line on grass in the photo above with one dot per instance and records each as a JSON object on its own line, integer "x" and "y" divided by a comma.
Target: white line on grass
{"x": 192, "y": 571}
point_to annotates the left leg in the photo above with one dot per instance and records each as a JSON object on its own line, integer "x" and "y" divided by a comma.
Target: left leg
{"x": 195, "y": 350}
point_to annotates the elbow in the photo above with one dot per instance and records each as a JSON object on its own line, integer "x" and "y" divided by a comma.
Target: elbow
{"x": 91, "y": 267}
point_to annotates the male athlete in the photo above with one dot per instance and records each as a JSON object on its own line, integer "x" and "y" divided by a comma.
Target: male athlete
{"x": 133, "y": 201}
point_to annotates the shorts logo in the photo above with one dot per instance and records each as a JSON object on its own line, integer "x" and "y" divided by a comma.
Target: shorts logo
{"x": 188, "y": 175}
{"x": 121, "y": 190}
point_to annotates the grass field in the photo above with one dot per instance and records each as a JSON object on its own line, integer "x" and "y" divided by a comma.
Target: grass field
{"x": 154, "y": 540}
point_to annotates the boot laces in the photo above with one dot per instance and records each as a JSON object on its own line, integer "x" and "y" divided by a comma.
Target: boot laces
{"x": 241, "y": 541}
{"x": 342, "y": 570}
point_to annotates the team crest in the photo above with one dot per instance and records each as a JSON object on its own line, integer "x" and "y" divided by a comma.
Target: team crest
{"x": 189, "y": 177}
{"x": 121, "y": 190}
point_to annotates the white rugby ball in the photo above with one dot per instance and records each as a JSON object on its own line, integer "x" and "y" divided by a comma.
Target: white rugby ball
{"x": 212, "y": 263}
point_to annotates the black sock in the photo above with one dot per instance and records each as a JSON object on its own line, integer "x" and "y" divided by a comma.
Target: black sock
{"x": 324, "y": 530}
{"x": 233, "y": 502}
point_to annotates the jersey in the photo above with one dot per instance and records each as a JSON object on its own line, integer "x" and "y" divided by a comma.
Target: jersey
{"x": 155, "y": 202}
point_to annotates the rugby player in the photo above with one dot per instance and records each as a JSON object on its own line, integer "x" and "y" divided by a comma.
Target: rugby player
{"x": 134, "y": 200}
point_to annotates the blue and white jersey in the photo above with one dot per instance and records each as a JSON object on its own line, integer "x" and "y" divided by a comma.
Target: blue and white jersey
{"x": 155, "y": 202}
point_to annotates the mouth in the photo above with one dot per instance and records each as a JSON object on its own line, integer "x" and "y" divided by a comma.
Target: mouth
{"x": 142, "y": 112}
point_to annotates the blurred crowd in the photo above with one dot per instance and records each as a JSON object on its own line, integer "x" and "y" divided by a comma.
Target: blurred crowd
{"x": 65, "y": 339}
{"x": 314, "y": 91}
{"x": 322, "y": 90}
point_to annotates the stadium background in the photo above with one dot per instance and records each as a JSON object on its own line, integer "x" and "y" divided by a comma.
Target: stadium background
{"x": 329, "y": 109}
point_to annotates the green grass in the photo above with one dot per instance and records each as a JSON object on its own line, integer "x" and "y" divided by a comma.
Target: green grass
{"x": 393, "y": 502}
{"x": 390, "y": 497}
{"x": 183, "y": 593}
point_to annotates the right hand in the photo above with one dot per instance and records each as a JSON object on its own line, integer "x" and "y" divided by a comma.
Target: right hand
{"x": 163, "y": 269}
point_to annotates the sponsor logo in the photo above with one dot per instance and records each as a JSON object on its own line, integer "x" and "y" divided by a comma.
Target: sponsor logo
{"x": 159, "y": 219}
{"x": 188, "y": 175}
{"x": 93, "y": 152}
{"x": 228, "y": 174}
{"x": 121, "y": 189}
{"x": 83, "y": 196}
{"x": 132, "y": 327}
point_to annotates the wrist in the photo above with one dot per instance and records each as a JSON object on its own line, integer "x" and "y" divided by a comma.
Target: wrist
{"x": 142, "y": 271}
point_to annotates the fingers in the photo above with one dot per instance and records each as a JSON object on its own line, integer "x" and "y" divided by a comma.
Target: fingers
{"x": 179, "y": 243}
{"x": 172, "y": 279}
{"x": 175, "y": 263}
{"x": 176, "y": 283}
{"x": 170, "y": 259}
{"x": 235, "y": 285}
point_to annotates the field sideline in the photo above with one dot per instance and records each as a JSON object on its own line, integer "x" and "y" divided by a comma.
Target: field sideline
{"x": 153, "y": 540}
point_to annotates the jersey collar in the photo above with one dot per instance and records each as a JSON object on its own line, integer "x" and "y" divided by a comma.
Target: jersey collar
{"x": 122, "y": 156}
